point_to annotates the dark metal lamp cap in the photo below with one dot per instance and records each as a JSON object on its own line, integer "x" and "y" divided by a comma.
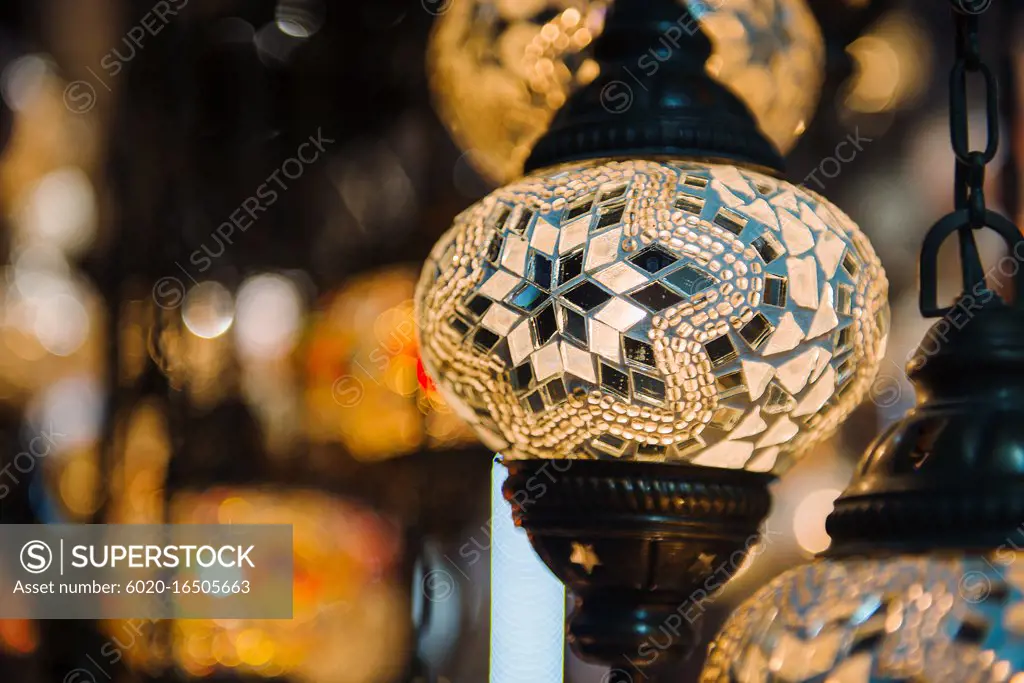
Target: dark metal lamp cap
{"x": 950, "y": 474}
{"x": 654, "y": 98}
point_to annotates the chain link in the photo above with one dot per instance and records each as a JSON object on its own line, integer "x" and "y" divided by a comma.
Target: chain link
{"x": 970, "y": 177}
{"x": 971, "y": 212}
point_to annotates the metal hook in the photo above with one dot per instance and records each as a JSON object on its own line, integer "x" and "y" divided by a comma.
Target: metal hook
{"x": 951, "y": 223}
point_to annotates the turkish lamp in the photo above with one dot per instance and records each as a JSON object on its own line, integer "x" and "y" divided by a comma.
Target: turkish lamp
{"x": 649, "y": 327}
{"x": 500, "y": 69}
{"x": 922, "y": 581}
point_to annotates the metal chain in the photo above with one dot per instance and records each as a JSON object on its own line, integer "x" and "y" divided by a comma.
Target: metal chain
{"x": 971, "y": 180}
{"x": 971, "y": 212}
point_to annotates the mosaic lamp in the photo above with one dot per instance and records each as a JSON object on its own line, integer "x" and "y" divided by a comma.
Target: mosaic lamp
{"x": 500, "y": 69}
{"x": 924, "y": 580}
{"x": 648, "y": 327}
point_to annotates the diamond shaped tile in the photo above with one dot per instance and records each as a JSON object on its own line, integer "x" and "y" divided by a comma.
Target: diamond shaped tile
{"x": 499, "y": 284}
{"x": 540, "y": 270}
{"x": 620, "y": 314}
{"x": 544, "y": 324}
{"x": 604, "y": 341}
{"x": 478, "y": 305}
{"x": 545, "y": 236}
{"x": 689, "y": 280}
{"x": 529, "y": 297}
{"x": 619, "y": 277}
{"x": 638, "y": 352}
{"x": 499, "y": 319}
{"x": 485, "y": 340}
{"x": 655, "y": 297}
{"x": 614, "y": 380}
{"x": 587, "y": 295}
{"x": 521, "y": 377}
{"x": 520, "y": 341}
{"x": 578, "y": 209}
{"x": 578, "y": 362}
{"x": 574, "y": 325}
{"x": 513, "y": 257}
{"x": 609, "y": 216}
{"x": 570, "y": 266}
{"x": 572, "y": 236}
{"x": 547, "y": 362}
{"x": 603, "y": 249}
{"x": 555, "y": 391}
{"x": 648, "y": 387}
{"x": 653, "y": 259}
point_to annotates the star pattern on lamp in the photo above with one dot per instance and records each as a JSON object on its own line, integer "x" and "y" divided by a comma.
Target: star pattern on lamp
{"x": 584, "y": 556}
{"x": 727, "y": 317}
{"x": 645, "y": 310}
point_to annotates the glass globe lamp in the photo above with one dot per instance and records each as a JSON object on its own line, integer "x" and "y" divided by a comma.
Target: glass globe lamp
{"x": 668, "y": 311}
{"x": 500, "y": 69}
{"x": 673, "y": 327}
{"x": 350, "y": 605}
{"x": 923, "y": 580}
{"x": 860, "y": 620}
{"x": 648, "y": 327}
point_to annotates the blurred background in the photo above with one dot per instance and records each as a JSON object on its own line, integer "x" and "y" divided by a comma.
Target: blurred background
{"x": 211, "y": 218}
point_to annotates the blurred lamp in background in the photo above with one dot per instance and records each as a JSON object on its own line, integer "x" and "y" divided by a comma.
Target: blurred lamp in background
{"x": 366, "y": 388}
{"x": 350, "y": 604}
{"x": 500, "y": 69}
{"x": 650, "y": 309}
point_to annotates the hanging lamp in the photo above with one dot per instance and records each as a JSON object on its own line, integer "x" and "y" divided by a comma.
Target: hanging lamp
{"x": 649, "y": 327}
{"x": 922, "y": 581}
{"x": 500, "y": 69}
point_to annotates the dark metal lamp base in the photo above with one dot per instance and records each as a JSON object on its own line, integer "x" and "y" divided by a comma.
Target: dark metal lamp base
{"x": 641, "y": 545}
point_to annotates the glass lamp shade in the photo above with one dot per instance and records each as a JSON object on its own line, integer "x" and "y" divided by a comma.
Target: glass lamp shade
{"x": 649, "y": 310}
{"x": 366, "y": 388}
{"x": 860, "y": 620}
{"x": 350, "y": 604}
{"x": 500, "y": 69}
